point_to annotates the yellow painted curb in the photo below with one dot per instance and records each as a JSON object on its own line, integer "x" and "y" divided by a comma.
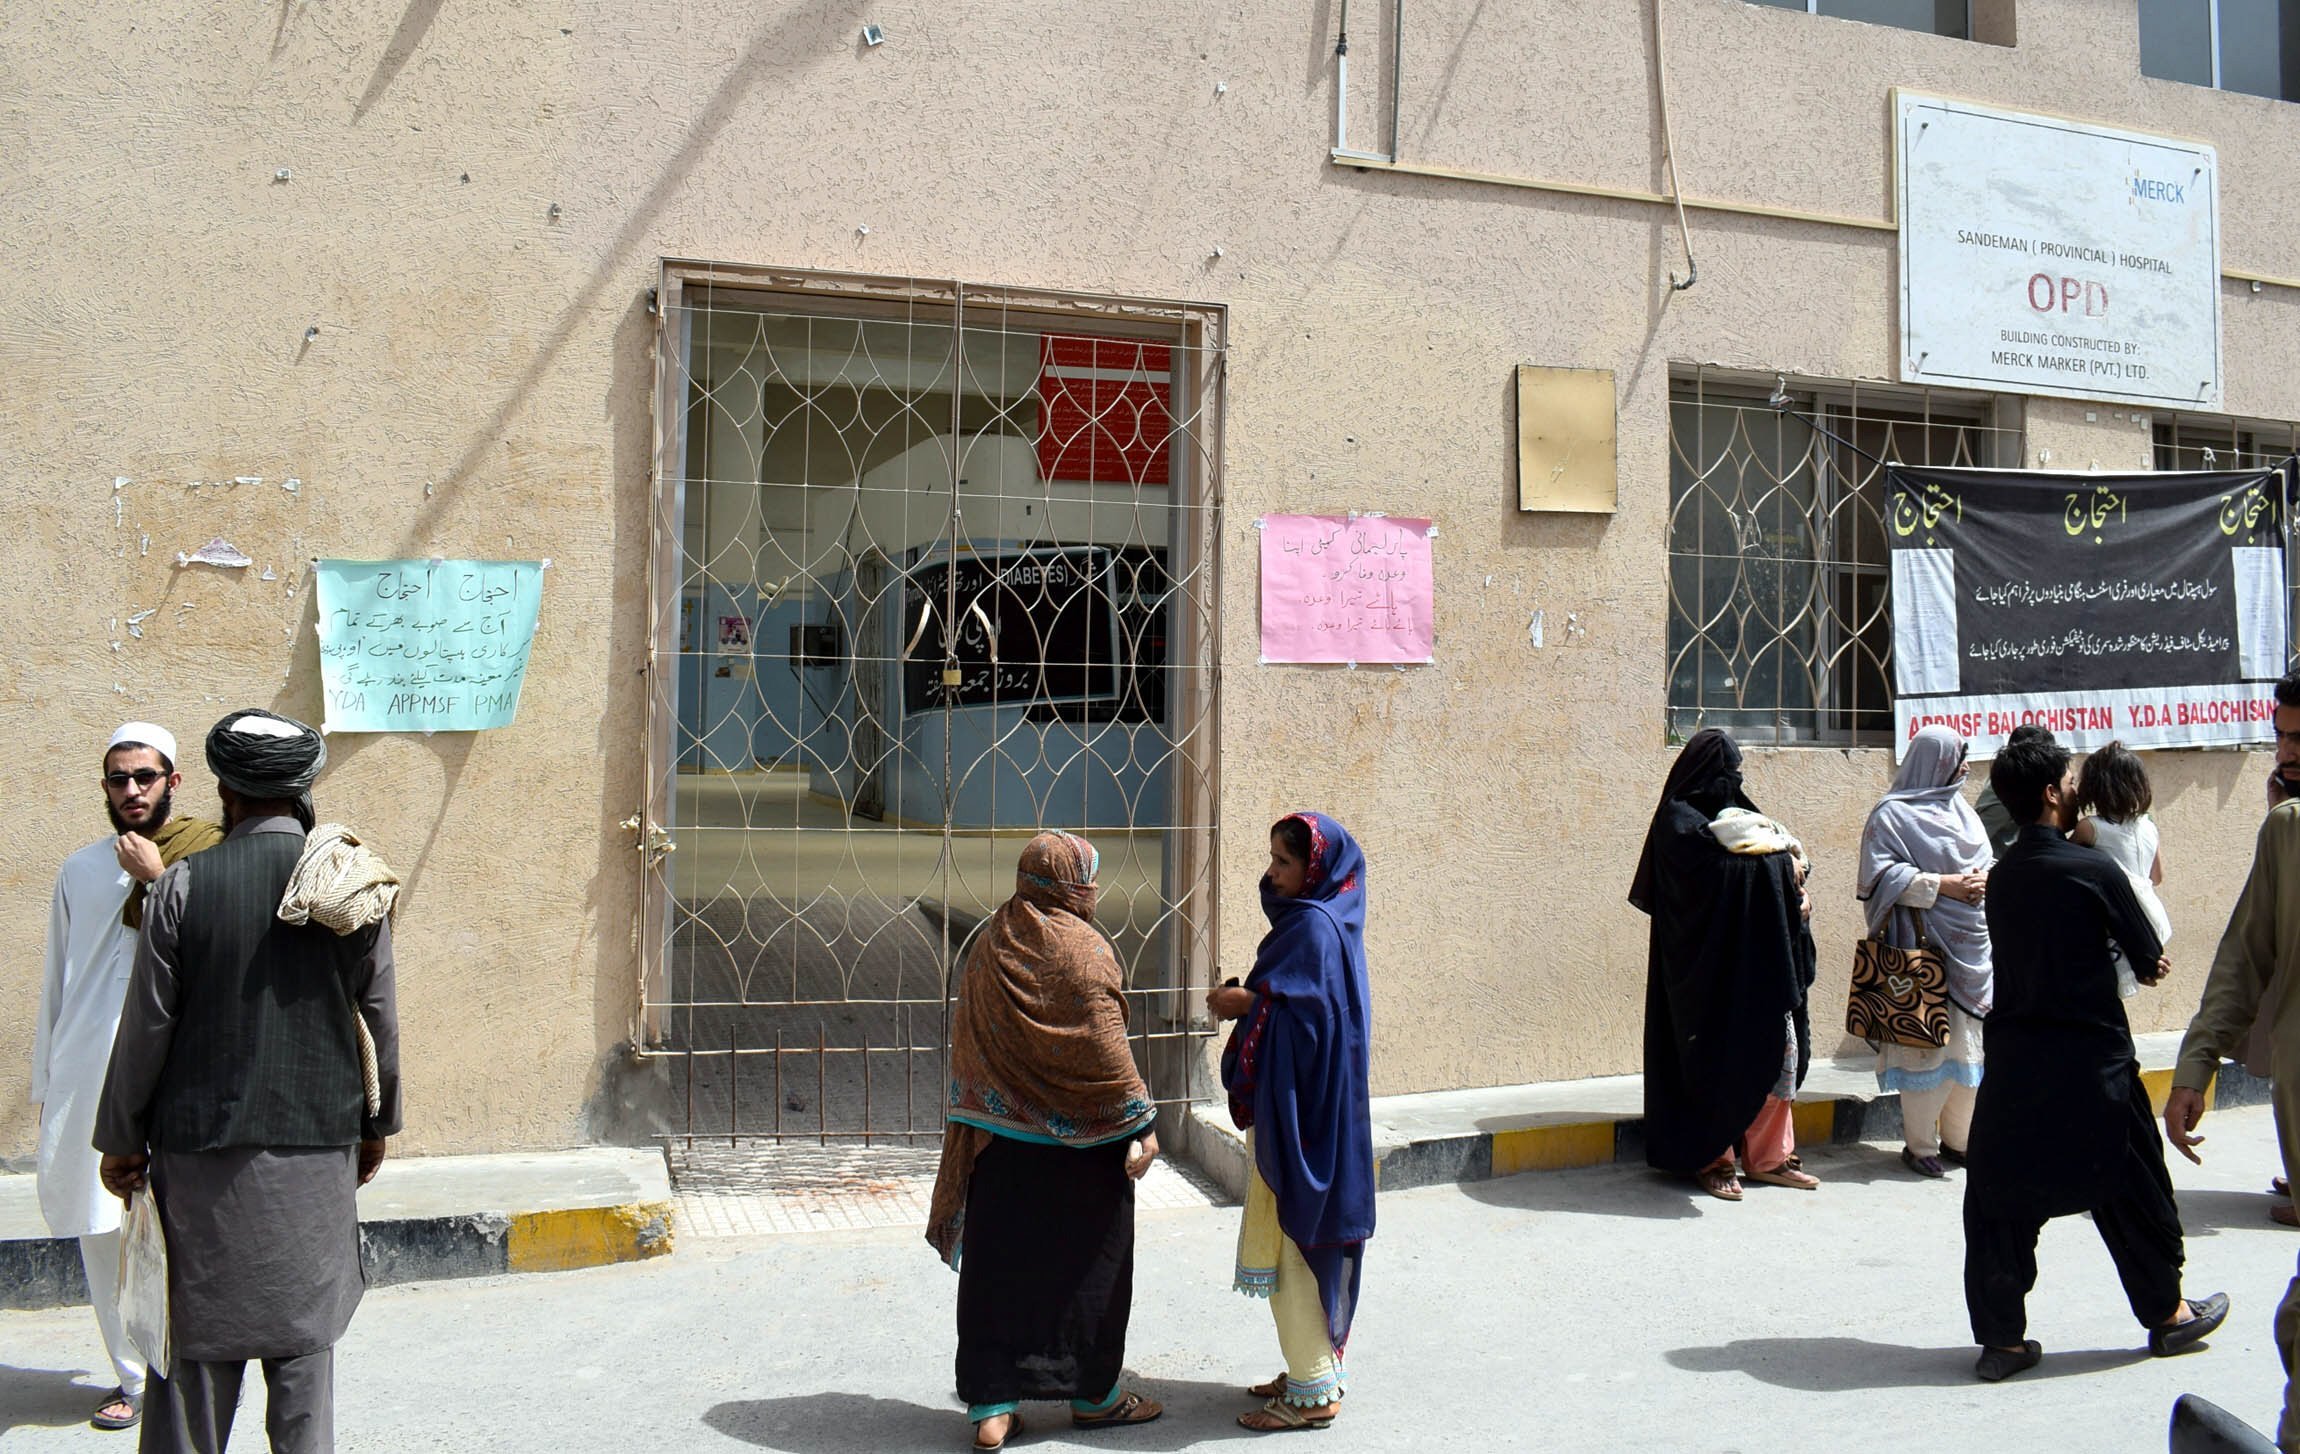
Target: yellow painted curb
{"x": 588, "y": 1236}
{"x": 2159, "y": 1085}
{"x": 1815, "y": 1122}
{"x": 1552, "y": 1148}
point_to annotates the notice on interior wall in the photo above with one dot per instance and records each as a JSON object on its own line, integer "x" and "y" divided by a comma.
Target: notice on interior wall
{"x": 425, "y": 645}
{"x": 1347, "y": 589}
{"x": 2048, "y": 256}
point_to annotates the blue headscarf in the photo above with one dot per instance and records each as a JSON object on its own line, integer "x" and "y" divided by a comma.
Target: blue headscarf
{"x": 1295, "y": 1066}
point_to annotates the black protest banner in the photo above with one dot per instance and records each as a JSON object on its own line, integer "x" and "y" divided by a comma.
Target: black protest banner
{"x": 2145, "y": 607}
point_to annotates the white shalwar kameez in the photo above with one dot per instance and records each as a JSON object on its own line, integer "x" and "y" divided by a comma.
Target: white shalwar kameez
{"x": 86, "y": 978}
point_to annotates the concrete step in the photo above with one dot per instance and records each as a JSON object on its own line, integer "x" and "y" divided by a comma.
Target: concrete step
{"x": 424, "y": 1218}
{"x": 1473, "y": 1135}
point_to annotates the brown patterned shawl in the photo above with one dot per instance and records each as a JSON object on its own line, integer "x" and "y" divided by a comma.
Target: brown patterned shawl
{"x": 1038, "y": 1038}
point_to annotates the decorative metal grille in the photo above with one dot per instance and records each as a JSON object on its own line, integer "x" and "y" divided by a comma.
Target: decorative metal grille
{"x": 1779, "y": 583}
{"x": 935, "y": 568}
{"x": 2216, "y": 442}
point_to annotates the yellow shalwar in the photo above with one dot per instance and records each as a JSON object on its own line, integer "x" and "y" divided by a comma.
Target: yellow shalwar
{"x": 1270, "y": 1266}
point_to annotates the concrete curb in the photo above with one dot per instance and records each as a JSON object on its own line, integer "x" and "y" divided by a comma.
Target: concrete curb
{"x": 427, "y": 1218}
{"x": 45, "y": 1272}
{"x": 1566, "y": 1141}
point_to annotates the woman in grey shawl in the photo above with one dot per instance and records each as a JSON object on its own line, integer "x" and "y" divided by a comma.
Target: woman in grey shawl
{"x": 1924, "y": 851}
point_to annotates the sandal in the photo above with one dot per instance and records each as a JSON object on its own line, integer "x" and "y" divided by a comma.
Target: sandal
{"x": 1287, "y": 1416}
{"x": 1789, "y": 1176}
{"x": 118, "y": 1398}
{"x": 1921, "y": 1165}
{"x": 1719, "y": 1181}
{"x": 1013, "y": 1429}
{"x": 2283, "y": 1215}
{"x": 1131, "y": 1408}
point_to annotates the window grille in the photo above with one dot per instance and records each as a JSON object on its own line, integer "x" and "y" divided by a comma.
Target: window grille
{"x": 1779, "y": 623}
{"x": 2215, "y": 442}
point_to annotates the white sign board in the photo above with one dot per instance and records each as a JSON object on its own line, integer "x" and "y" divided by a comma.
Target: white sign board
{"x": 2042, "y": 256}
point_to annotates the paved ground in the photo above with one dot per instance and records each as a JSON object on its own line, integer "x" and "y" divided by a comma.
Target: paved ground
{"x": 1592, "y": 1310}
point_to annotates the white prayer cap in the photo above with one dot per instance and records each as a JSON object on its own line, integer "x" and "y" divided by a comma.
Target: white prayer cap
{"x": 150, "y": 734}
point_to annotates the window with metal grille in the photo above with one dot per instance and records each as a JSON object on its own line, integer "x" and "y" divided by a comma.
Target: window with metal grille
{"x": 2212, "y": 442}
{"x": 1780, "y": 630}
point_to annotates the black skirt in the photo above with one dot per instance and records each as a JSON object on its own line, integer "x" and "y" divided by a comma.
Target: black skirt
{"x": 1046, "y": 1273}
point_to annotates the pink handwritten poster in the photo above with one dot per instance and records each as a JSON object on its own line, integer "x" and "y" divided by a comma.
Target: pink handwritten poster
{"x": 1357, "y": 588}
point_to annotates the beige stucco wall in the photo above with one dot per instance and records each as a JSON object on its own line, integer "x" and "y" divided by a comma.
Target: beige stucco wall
{"x": 481, "y": 382}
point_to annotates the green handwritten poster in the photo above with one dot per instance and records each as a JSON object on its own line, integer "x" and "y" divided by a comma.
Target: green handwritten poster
{"x": 425, "y": 645}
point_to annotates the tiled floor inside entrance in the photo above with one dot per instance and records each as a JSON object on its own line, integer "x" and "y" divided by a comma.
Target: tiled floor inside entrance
{"x": 753, "y": 1187}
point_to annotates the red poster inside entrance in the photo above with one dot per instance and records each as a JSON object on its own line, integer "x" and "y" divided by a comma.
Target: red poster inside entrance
{"x": 1103, "y": 410}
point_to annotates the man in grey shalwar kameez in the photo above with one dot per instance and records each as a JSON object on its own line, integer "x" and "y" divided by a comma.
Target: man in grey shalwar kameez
{"x": 236, "y": 1087}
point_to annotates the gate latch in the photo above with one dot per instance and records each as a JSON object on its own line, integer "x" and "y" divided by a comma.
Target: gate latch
{"x": 658, "y": 841}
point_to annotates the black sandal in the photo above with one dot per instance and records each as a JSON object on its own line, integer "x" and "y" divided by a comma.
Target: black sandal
{"x": 1013, "y": 1428}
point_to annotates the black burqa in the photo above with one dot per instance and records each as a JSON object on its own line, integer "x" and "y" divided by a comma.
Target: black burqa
{"x": 1729, "y": 965}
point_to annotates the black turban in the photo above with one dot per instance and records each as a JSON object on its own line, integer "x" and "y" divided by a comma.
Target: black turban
{"x": 260, "y": 754}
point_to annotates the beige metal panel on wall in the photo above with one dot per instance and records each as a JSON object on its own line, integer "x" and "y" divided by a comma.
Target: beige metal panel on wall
{"x": 1566, "y": 449}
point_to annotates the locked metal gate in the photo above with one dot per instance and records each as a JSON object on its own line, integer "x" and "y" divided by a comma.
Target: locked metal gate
{"x": 933, "y": 568}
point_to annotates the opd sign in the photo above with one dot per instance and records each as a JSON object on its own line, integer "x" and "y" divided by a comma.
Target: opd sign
{"x": 2043, "y": 256}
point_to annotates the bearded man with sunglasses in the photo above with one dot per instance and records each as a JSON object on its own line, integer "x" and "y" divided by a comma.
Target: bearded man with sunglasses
{"x": 92, "y": 924}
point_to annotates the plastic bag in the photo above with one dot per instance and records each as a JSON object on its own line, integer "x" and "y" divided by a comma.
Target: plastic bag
{"x": 144, "y": 1280}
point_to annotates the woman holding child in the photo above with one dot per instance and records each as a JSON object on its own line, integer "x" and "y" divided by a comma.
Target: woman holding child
{"x": 1730, "y": 961}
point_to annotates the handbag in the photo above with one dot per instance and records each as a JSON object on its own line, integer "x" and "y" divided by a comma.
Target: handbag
{"x": 1900, "y": 996}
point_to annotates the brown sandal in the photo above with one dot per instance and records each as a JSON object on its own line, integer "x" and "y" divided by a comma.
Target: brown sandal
{"x": 1287, "y": 1416}
{"x": 1720, "y": 1181}
{"x": 1789, "y": 1176}
{"x": 1131, "y": 1408}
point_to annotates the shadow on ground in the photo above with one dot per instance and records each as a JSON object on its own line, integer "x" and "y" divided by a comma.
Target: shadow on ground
{"x": 45, "y": 1398}
{"x": 1637, "y": 1194}
{"x": 2206, "y": 1212}
{"x": 830, "y": 1423}
{"x": 1848, "y": 1365}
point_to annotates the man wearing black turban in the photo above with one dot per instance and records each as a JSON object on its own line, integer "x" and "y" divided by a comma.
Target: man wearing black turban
{"x": 236, "y": 1089}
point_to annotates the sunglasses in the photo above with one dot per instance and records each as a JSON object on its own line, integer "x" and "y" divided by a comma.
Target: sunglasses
{"x": 142, "y": 777}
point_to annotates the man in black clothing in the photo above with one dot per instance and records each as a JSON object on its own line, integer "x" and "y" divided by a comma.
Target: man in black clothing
{"x": 2062, "y": 1124}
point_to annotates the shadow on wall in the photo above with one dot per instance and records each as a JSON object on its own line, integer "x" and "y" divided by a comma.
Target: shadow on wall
{"x": 414, "y": 24}
{"x": 787, "y": 44}
{"x": 630, "y": 1098}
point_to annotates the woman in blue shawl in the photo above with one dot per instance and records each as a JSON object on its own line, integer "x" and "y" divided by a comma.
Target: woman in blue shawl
{"x": 1295, "y": 1070}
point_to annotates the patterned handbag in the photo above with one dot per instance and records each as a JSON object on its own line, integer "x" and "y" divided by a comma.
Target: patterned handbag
{"x": 1900, "y": 996}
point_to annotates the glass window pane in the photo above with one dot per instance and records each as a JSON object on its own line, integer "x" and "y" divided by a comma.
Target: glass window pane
{"x": 2248, "y": 48}
{"x": 1941, "y": 17}
{"x": 2260, "y": 48}
{"x": 2176, "y": 40}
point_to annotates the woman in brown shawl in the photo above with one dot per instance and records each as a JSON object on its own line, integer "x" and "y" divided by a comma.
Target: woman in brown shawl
{"x": 1049, "y": 1125}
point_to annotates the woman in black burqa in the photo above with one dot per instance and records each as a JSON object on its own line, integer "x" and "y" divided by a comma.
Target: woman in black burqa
{"x": 1727, "y": 1040}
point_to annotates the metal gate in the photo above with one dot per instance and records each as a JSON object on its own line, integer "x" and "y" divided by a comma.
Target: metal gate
{"x": 933, "y": 568}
